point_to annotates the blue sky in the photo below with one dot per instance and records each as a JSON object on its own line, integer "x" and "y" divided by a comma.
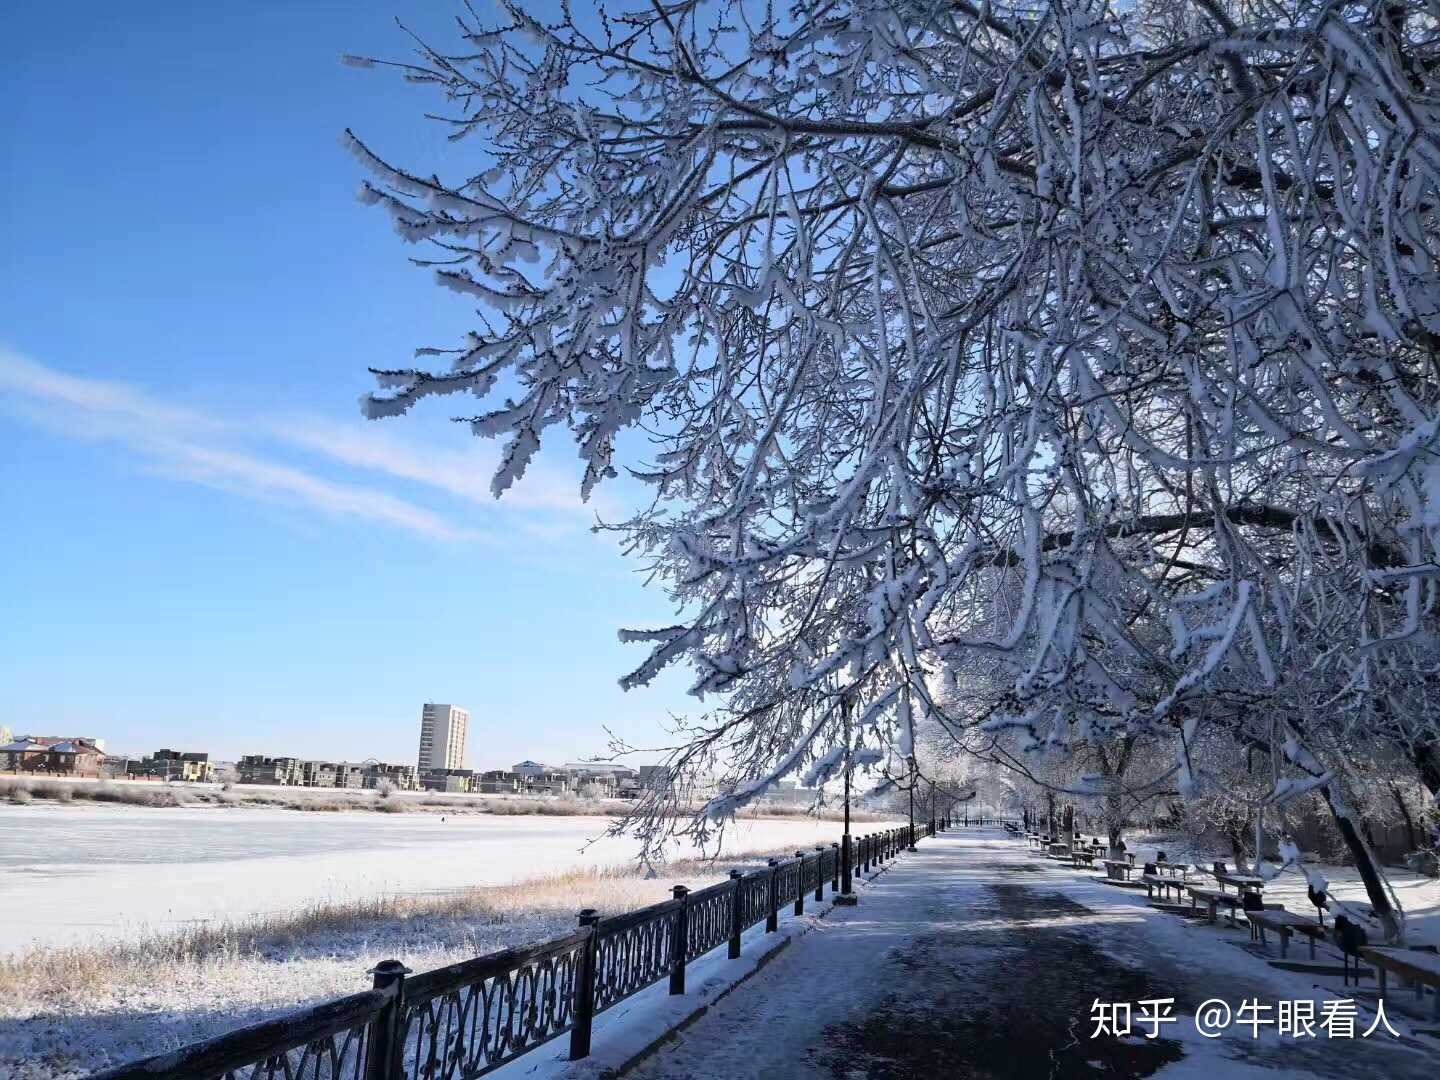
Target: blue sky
{"x": 204, "y": 545}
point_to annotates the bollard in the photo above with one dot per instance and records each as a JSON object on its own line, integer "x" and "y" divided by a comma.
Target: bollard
{"x": 585, "y": 988}
{"x": 819, "y": 872}
{"x": 799, "y": 883}
{"x": 772, "y": 919}
{"x": 867, "y": 844}
{"x": 835, "y": 870}
{"x": 736, "y": 927}
{"x": 383, "y": 1042}
{"x": 680, "y": 942}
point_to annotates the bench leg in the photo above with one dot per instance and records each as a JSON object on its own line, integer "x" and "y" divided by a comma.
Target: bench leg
{"x": 1211, "y": 904}
{"x": 1380, "y": 976}
{"x": 1311, "y": 938}
{"x": 1284, "y": 941}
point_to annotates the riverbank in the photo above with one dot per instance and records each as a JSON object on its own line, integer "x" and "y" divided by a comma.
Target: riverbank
{"x": 66, "y": 1011}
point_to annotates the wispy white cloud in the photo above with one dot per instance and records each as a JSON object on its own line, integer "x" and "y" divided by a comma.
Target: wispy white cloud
{"x": 463, "y": 473}
{"x": 197, "y": 447}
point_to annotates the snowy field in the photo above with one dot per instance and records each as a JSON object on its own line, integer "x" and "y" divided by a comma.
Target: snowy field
{"x": 92, "y": 873}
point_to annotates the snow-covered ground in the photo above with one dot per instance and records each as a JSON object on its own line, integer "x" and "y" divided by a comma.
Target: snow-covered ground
{"x": 977, "y": 957}
{"x": 72, "y": 873}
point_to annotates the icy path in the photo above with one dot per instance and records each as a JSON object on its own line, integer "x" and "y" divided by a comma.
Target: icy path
{"x": 973, "y": 957}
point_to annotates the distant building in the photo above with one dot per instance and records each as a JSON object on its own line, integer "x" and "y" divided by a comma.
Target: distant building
{"x": 260, "y": 769}
{"x": 301, "y": 772}
{"x": 402, "y": 777}
{"x": 443, "y": 731}
{"x": 52, "y": 754}
{"x": 23, "y": 755}
{"x": 451, "y": 780}
{"x": 530, "y": 768}
{"x": 499, "y": 782}
{"x": 174, "y": 765}
{"x": 601, "y": 768}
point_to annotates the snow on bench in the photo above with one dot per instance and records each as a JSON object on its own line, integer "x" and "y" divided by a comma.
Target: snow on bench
{"x": 1285, "y": 923}
{"x": 1421, "y": 968}
{"x": 1163, "y": 882}
{"x": 1214, "y": 898}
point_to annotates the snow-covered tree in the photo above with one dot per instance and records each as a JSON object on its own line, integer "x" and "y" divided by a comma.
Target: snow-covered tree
{"x": 971, "y": 333}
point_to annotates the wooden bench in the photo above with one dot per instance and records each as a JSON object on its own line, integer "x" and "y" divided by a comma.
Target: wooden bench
{"x": 1213, "y": 899}
{"x": 1285, "y": 923}
{"x": 1082, "y": 857}
{"x": 1164, "y": 882}
{"x": 1118, "y": 869}
{"x": 1421, "y": 968}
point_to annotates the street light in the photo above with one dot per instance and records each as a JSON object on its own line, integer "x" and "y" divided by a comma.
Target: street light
{"x": 847, "y": 897}
{"x": 912, "y": 800}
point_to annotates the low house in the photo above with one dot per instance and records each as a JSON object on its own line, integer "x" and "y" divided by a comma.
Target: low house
{"x": 23, "y": 755}
{"x": 73, "y": 757}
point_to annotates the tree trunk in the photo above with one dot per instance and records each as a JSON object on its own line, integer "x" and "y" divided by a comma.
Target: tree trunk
{"x": 1375, "y": 890}
{"x": 1399, "y": 796}
{"x": 1238, "y": 853}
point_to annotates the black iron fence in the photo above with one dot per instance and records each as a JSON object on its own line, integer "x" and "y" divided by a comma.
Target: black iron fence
{"x": 462, "y": 1021}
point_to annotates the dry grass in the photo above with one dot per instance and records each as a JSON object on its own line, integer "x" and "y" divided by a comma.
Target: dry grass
{"x": 23, "y": 790}
{"x": 73, "y": 973}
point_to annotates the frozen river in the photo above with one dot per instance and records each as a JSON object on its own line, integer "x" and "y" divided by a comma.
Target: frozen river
{"x": 71, "y": 873}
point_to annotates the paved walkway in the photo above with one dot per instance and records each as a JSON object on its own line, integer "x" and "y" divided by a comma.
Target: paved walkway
{"x": 974, "y": 957}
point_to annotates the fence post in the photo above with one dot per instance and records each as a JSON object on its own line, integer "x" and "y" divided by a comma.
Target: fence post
{"x": 799, "y": 883}
{"x": 681, "y": 941}
{"x": 383, "y": 1042}
{"x": 865, "y": 846}
{"x": 772, "y": 918}
{"x": 736, "y": 929}
{"x": 835, "y": 871}
{"x": 585, "y": 988}
{"x": 819, "y": 872}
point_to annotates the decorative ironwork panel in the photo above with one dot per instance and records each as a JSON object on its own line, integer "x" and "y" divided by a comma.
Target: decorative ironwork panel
{"x": 468, "y": 1030}
{"x": 809, "y": 875}
{"x": 339, "y": 1056}
{"x": 630, "y": 959}
{"x": 708, "y": 922}
{"x": 789, "y": 884}
{"x": 754, "y": 898}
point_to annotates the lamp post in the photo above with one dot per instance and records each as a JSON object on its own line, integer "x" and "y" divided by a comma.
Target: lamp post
{"x": 847, "y": 897}
{"x": 912, "y": 802}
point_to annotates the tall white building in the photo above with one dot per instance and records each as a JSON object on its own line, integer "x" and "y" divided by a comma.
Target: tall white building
{"x": 443, "y": 729}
